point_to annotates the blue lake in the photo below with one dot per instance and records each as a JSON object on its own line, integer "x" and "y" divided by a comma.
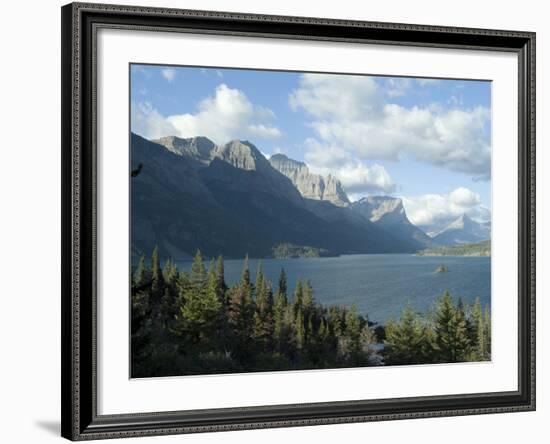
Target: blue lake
{"x": 379, "y": 285}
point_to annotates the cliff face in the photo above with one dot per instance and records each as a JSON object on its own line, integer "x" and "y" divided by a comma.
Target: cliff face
{"x": 381, "y": 209}
{"x": 310, "y": 185}
{"x": 389, "y": 213}
{"x": 197, "y": 148}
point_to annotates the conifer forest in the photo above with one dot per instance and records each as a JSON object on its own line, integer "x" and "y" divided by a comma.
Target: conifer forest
{"x": 193, "y": 323}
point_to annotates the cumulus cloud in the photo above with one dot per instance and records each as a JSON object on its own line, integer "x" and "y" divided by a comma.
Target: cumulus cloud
{"x": 353, "y": 113}
{"x": 227, "y": 114}
{"x": 148, "y": 122}
{"x": 356, "y": 177}
{"x": 438, "y": 209}
{"x": 169, "y": 74}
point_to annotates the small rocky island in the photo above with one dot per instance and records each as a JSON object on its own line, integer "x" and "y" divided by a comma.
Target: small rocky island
{"x": 442, "y": 269}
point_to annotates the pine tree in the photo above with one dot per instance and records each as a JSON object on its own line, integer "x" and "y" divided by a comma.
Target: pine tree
{"x": 157, "y": 278}
{"x": 241, "y": 314}
{"x": 198, "y": 272}
{"x": 481, "y": 352}
{"x": 309, "y": 306}
{"x": 261, "y": 290}
{"x": 280, "y": 330}
{"x": 298, "y": 297}
{"x": 451, "y": 331}
{"x": 142, "y": 276}
{"x": 353, "y": 332}
{"x": 199, "y": 315}
{"x": 308, "y": 296}
{"x": 406, "y": 340}
{"x": 487, "y": 329}
{"x": 141, "y": 330}
{"x": 169, "y": 301}
{"x": 221, "y": 286}
{"x": 245, "y": 277}
{"x": 281, "y": 291}
{"x": 299, "y": 331}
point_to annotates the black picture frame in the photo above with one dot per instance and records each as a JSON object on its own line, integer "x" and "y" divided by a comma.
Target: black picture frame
{"x": 80, "y": 22}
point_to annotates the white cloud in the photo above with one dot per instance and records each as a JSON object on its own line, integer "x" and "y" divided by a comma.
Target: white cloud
{"x": 351, "y": 112}
{"x": 397, "y": 87}
{"x": 169, "y": 74}
{"x": 424, "y": 82}
{"x": 435, "y": 209}
{"x": 148, "y": 122}
{"x": 356, "y": 177}
{"x": 226, "y": 115}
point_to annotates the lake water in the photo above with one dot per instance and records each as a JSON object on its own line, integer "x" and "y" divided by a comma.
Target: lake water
{"x": 380, "y": 285}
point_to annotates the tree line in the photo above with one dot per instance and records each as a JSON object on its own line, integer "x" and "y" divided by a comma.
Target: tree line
{"x": 186, "y": 323}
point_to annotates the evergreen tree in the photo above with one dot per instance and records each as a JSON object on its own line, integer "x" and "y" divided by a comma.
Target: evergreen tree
{"x": 281, "y": 291}
{"x": 142, "y": 276}
{"x": 353, "y": 332}
{"x": 169, "y": 301}
{"x": 407, "y": 340}
{"x": 221, "y": 286}
{"x": 245, "y": 277}
{"x": 241, "y": 314}
{"x": 309, "y": 307}
{"x": 157, "y": 278}
{"x": 298, "y": 297}
{"x": 487, "y": 329}
{"x": 261, "y": 290}
{"x": 198, "y": 272}
{"x": 299, "y": 331}
{"x": 308, "y": 296}
{"x": 481, "y": 352}
{"x": 280, "y": 330}
{"x": 451, "y": 331}
{"x": 199, "y": 315}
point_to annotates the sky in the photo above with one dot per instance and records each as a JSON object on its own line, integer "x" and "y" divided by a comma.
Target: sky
{"x": 427, "y": 141}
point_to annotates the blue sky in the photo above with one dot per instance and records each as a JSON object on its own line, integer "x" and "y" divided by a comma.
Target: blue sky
{"x": 425, "y": 140}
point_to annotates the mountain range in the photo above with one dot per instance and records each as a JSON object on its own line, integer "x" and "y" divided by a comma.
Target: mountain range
{"x": 229, "y": 199}
{"x": 463, "y": 230}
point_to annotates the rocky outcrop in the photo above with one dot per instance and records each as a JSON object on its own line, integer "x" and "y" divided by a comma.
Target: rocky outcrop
{"x": 381, "y": 209}
{"x": 310, "y": 185}
{"x": 389, "y": 213}
{"x": 198, "y": 148}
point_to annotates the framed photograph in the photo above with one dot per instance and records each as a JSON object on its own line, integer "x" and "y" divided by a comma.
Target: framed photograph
{"x": 280, "y": 221}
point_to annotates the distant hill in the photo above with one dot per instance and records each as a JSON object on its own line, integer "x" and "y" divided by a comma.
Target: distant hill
{"x": 476, "y": 249}
{"x": 463, "y": 230}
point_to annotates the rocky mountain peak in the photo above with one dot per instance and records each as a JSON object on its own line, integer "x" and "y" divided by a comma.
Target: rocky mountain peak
{"x": 376, "y": 208}
{"x": 461, "y": 222}
{"x": 310, "y": 185}
{"x": 242, "y": 154}
{"x": 199, "y": 148}
{"x": 463, "y": 230}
